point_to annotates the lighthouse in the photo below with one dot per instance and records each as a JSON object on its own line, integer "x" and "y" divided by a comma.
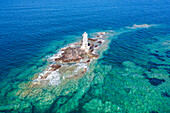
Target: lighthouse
{"x": 85, "y": 42}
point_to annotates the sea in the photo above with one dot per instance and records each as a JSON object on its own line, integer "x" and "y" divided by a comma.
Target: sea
{"x": 132, "y": 75}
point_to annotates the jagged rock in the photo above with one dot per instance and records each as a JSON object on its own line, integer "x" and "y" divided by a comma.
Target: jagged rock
{"x": 56, "y": 66}
{"x": 92, "y": 39}
{"x": 58, "y": 59}
{"x": 45, "y": 76}
{"x": 87, "y": 61}
{"x": 99, "y": 42}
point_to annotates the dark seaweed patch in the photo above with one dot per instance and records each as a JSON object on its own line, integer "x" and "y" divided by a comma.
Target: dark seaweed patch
{"x": 149, "y": 69}
{"x": 168, "y": 70}
{"x": 152, "y": 65}
{"x": 153, "y": 112}
{"x": 160, "y": 57}
{"x": 168, "y": 56}
{"x": 155, "y": 81}
{"x": 146, "y": 76}
{"x": 165, "y": 94}
{"x": 167, "y": 52}
{"x": 155, "y": 64}
{"x": 156, "y": 55}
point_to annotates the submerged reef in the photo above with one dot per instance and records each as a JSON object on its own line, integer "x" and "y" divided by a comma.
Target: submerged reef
{"x": 64, "y": 80}
{"x": 73, "y": 80}
{"x": 71, "y": 61}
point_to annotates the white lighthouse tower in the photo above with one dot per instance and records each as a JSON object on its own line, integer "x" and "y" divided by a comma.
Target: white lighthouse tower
{"x": 85, "y": 42}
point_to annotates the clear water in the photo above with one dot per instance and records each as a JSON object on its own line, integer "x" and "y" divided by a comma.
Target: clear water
{"x": 131, "y": 76}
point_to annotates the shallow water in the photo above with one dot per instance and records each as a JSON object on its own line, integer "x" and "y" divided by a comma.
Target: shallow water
{"x": 131, "y": 75}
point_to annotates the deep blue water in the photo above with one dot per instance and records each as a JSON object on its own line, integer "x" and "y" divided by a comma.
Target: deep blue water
{"x": 28, "y": 28}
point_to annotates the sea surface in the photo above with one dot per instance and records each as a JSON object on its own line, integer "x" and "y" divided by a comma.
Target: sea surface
{"x": 131, "y": 76}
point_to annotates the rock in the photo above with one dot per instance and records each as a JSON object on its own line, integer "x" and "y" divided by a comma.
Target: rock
{"x": 155, "y": 81}
{"x": 58, "y": 59}
{"x": 165, "y": 94}
{"x": 99, "y": 42}
{"x": 92, "y": 50}
{"x": 95, "y": 55}
{"x": 45, "y": 76}
{"x": 56, "y": 66}
{"x": 92, "y": 39}
{"x": 82, "y": 57}
{"x": 92, "y": 45}
{"x": 87, "y": 61}
{"x": 62, "y": 49}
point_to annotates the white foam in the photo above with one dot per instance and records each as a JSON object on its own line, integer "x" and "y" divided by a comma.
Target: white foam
{"x": 72, "y": 45}
{"x": 58, "y": 55}
{"x": 54, "y": 78}
{"x": 135, "y": 26}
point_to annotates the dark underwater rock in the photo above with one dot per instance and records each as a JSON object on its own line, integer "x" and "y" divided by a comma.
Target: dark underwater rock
{"x": 156, "y": 55}
{"x": 153, "y": 112}
{"x": 155, "y": 81}
{"x": 168, "y": 70}
{"x": 152, "y": 65}
{"x": 160, "y": 57}
{"x": 168, "y": 56}
{"x": 165, "y": 94}
{"x": 155, "y": 65}
{"x": 145, "y": 75}
{"x": 167, "y": 52}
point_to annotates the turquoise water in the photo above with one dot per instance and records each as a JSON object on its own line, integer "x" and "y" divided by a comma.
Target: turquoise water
{"x": 131, "y": 75}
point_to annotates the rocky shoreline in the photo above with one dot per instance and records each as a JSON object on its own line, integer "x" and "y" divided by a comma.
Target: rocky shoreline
{"x": 71, "y": 61}
{"x": 66, "y": 78}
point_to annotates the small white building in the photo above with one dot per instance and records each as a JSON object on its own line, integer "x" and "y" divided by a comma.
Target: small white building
{"x": 85, "y": 42}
